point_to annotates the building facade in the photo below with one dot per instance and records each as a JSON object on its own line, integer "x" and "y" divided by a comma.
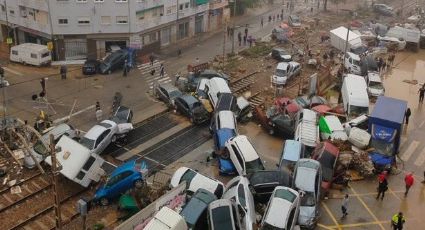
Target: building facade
{"x": 90, "y": 28}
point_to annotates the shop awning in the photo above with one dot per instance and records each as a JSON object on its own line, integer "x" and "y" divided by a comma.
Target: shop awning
{"x": 383, "y": 133}
{"x": 201, "y": 2}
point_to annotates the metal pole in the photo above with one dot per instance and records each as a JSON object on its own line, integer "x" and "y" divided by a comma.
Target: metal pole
{"x": 233, "y": 27}
{"x": 224, "y": 44}
{"x": 55, "y": 173}
{"x": 3, "y": 90}
{"x": 346, "y": 47}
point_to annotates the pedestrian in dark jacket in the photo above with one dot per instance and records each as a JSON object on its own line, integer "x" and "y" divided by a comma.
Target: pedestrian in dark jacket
{"x": 344, "y": 206}
{"x": 382, "y": 188}
{"x": 161, "y": 70}
{"x": 244, "y": 40}
{"x": 151, "y": 59}
{"x": 421, "y": 93}
{"x": 407, "y": 115}
{"x": 124, "y": 69}
{"x": 63, "y": 71}
{"x": 240, "y": 38}
{"x": 262, "y": 22}
{"x": 246, "y": 30}
{"x": 408, "y": 180}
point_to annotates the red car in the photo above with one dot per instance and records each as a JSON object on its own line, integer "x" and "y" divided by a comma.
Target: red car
{"x": 327, "y": 154}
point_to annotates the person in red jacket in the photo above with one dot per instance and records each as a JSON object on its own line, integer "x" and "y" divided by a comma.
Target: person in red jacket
{"x": 382, "y": 176}
{"x": 408, "y": 179}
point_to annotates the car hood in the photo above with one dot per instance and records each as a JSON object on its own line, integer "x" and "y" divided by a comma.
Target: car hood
{"x": 306, "y": 213}
{"x": 286, "y": 56}
{"x": 279, "y": 79}
{"x": 200, "y": 181}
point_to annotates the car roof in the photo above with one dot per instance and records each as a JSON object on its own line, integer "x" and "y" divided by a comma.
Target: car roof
{"x": 280, "y": 205}
{"x": 282, "y": 65}
{"x": 227, "y": 119}
{"x": 333, "y": 123}
{"x": 306, "y": 171}
{"x": 374, "y": 77}
{"x": 246, "y": 148}
{"x": 168, "y": 87}
{"x": 189, "y": 99}
{"x": 353, "y": 55}
{"x": 124, "y": 167}
{"x": 292, "y": 150}
{"x": 196, "y": 205}
{"x": 94, "y": 132}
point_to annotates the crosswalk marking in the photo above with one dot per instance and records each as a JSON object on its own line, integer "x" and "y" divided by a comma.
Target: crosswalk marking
{"x": 145, "y": 70}
{"x": 409, "y": 151}
{"x": 421, "y": 159}
{"x": 422, "y": 123}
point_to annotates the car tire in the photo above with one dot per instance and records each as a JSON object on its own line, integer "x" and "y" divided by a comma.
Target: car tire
{"x": 104, "y": 201}
{"x": 138, "y": 183}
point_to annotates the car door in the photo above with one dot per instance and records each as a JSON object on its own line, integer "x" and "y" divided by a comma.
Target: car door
{"x": 102, "y": 141}
{"x": 238, "y": 160}
{"x": 186, "y": 109}
{"x": 124, "y": 182}
{"x": 162, "y": 94}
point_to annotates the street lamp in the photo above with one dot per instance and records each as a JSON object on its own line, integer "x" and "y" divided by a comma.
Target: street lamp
{"x": 233, "y": 27}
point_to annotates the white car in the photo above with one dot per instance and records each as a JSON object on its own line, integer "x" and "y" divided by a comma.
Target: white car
{"x": 243, "y": 155}
{"x": 238, "y": 191}
{"x": 222, "y": 215}
{"x": 352, "y": 63}
{"x": 103, "y": 134}
{"x": 195, "y": 180}
{"x": 307, "y": 181}
{"x": 282, "y": 210}
{"x": 41, "y": 150}
{"x": 285, "y": 71}
{"x": 375, "y": 88}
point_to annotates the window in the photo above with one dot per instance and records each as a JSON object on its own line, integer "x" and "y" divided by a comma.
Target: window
{"x": 23, "y": 11}
{"x": 105, "y": 20}
{"x": 62, "y": 21}
{"x": 46, "y": 55}
{"x": 235, "y": 150}
{"x": 183, "y": 30}
{"x": 81, "y": 175}
{"x": 186, "y": 5}
{"x": 33, "y": 55}
{"x": 3, "y": 8}
{"x": 12, "y": 12}
{"x": 81, "y": 0}
{"x": 120, "y": 0}
{"x": 89, "y": 163}
{"x": 84, "y": 21}
{"x": 122, "y": 19}
{"x": 98, "y": 0}
{"x": 181, "y": 6}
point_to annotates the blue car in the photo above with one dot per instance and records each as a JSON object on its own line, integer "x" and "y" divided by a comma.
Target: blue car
{"x": 123, "y": 178}
{"x": 225, "y": 165}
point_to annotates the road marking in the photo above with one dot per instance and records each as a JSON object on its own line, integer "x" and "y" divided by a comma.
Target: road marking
{"x": 331, "y": 215}
{"x": 13, "y": 71}
{"x": 422, "y": 123}
{"x": 154, "y": 161}
{"x": 367, "y": 208}
{"x": 360, "y": 224}
{"x": 421, "y": 159}
{"x": 409, "y": 151}
{"x": 393, "y": 193}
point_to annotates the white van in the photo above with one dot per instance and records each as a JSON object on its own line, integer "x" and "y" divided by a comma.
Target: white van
{"x": 167, "y": 219}
{"x": 30, "y": 53}
{"x": 307, "y": 131}
{"x": 352, "y": 63}
{"x": 354, "y": 96}
{"x": 78, "y": 164}
{"x": 214, "y": 87}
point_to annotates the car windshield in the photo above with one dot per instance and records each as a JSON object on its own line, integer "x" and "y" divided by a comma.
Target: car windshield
{"x": 356, "y": 62}
{"x": 308, "y": 199}
{"x": 253, "y": 166}
{"x": 222, "y": 219}
{"x": 376, "y": 85}
{"x": 40, "y": 148}
{"x": 280, "y": 72}
{"x": 88, "y": 143}
{"x": 188, "y": 176}
{"x": 295, "y": 19}
{"x": 103, "y": 66}
{"x": 356, "y": 111}
{"x": 268, "y": 226}
{"x": 175, "y": 93}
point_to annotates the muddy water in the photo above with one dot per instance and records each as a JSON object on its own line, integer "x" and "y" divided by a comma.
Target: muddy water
{"x": 407, "y": 66}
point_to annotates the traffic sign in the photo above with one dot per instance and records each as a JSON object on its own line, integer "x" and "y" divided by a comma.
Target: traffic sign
{"x": 9, "y": 40}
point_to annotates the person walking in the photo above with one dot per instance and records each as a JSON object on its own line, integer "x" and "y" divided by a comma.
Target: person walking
{"x": 344, "y": 206}
{"x": 382, "y": 187}
{"x": 262, "y": 22}
{"x": 161, "y": 70}
{"x": 244, "y": 40}
{"x": 407, "y": 115}
{"x": 246, "y": 30}
{"x": 240, "y": 38}
{"x": 63, "y": 71}
{"x": 409, "y": 180}
{"x": 397, "y": 221}
{"x": 391, "y": 59}
{"x": 421, "y": 93}
{"x": 151, "y": 59}
{"x": 124, "y": 69}
{"x": 270, "y": 18}
{"x": 99, "y": 112}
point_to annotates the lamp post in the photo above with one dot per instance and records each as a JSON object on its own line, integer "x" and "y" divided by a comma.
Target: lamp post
{"x": 233, "y": 27}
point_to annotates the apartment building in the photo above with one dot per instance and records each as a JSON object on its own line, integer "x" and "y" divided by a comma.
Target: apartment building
{"x": 89, "y": 28}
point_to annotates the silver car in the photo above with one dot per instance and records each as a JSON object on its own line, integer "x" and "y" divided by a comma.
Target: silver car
{"x": 307, "y": 180}
{"x": 167, "y": 93}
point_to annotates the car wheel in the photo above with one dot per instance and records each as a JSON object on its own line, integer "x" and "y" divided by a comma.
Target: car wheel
{"x": 138, "y": 183}
{"x": 114, "y": 138}
{"x": 104, "y": 201}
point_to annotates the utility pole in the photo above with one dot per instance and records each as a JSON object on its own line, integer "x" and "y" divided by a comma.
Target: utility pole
{"x": 233, "y": 27}
{"x": 3, "y": 90}
{"x": 55, "y": 173}
{"x": 346, "y": 47}
{"x": 224, "y": 44}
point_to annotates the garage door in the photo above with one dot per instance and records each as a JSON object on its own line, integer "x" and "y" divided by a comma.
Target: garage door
{"x": 75, "y": 49}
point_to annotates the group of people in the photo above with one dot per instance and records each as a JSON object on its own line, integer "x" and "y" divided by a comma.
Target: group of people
{"x": 161, "y": 67}
{"x": 245, "y": 37}
{"x": 273, "y": 18}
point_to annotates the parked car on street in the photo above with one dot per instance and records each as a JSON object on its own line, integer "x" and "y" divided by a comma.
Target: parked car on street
{"x": 222, "y": 215}
{"x": 103, "y": 134}
{"x": 327, "y": 154}
{"x": 294, "y": 21}
{"x": 191, "y": 107}
{"x": 113, "y": 62}
{"x": 238, "y": 191}
{"x": 285, "y": 71}
{"x": 264, "y": 182}
{"x": 375, "y": 88}
{"x": 282, "y": 209}
{"x": 195, "y": 181}
{"x": 167, "y": 93}
{"x": 90, "y": 67}
{"x": 383, "y": 9}
{"x": 123, "y": 178}
{"x": 243, "y": 155}
{"x": 281, "y": 55}
{"x": 307, "y": 179}
{"x": 195, "y": 211}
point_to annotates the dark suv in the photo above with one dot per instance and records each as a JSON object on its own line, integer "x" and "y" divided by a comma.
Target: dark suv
{"x": 114, "y": 61}
{"x": 191, "y": 107}
{"x": 281, "y": 55}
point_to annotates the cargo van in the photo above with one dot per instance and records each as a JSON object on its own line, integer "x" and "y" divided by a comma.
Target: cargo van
{"x": 354, "y": 96}
{"x": 214, "y": 87}
{"x": 30, "y": 53}
{"x": 166, "y": 219}
{"x": 77, "y": 162}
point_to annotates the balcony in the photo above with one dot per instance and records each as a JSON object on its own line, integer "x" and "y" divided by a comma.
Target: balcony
{"x": 217, "y": 4}
{"x": 34, "y": 4}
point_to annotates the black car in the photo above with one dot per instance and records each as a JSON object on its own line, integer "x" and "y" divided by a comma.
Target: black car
{"x": 195, "y": 78}
{"x": 114, "y": 61}
{"x": 264, "y": 182}
{"x": 192, "y": 108}
{"x": 90, "y": 67}
{"x": 281, "y": 55}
